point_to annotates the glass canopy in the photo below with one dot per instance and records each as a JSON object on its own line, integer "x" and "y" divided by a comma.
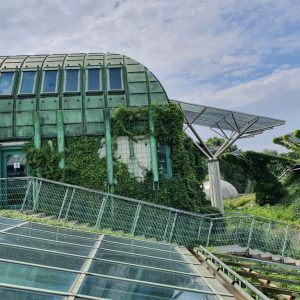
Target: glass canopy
{"x": 226, "y": 120}
{"x": 40, "y": 261}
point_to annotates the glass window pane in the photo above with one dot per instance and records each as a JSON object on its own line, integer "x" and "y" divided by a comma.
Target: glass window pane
{"x": 50, "y": 78}
{"x": 35, "y": 277}
{"x": 94, "y": 80}
{"x": 6, "y": 81}
{"x": 119, "y": 290}
{"x": 13, "y": 294}
{"x": 72, "y": 80}
{"x": 115, "y": 79}
{"x": 144, "y": 261}
{"x": 28, "y": 80}
{"x": 147, "y": 275}
{"x": 41, "y": 258}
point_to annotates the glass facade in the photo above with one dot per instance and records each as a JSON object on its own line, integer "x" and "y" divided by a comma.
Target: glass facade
{"x": 44, "y": 262}
{"x": 28, "y": 82}
{"x": 50, "y": 80}
{"x": 6, "y": 83}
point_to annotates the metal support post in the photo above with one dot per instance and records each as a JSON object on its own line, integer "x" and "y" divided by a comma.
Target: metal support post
{"x": 173, "y": 226}
{"x": 60, "y": 138}
{"x": 63, "y": 204}
{"x": 285, "y": 240}
{"x": 167, "y": 226}
{"x": 209, "y": 232}
{"x": 136, "y": 218}
{"x": 200, "y": 227}
{"x": 37, "y": 193}
{"x": 101, "y": 211}
{"x": 250, "y": 233}
{"x": 70, "y": 203}
{"x": 26, "y": 194}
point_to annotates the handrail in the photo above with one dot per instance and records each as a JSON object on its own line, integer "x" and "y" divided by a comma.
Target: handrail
{"x": 237, "y": 279}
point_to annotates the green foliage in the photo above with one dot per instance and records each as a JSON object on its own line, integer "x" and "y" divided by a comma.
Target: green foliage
{"x": 44, "y": 162}
{"x": 83, "y": 165}
{"x": 286, "y": 141}
{"x": 262, "y": 169}
{"x": 184, "y": 190}
{"x": 129, "y": 122}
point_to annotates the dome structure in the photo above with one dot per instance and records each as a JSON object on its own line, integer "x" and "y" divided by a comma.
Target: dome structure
{"x": 228, "y": 190}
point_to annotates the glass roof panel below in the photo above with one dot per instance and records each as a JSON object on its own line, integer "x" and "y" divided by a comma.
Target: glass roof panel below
{"x": 44, "y": 244}
{"x": 13, "y": 294}
{"x": 144, "y": 261}
{"x": 147, "y": 275}
{"x": 145, "y": 244}
{"x": 139, "y": 250}
{"x": 120, "y": 290}
{"x": 41, "y": 258}
{"x": 30, "y": 276}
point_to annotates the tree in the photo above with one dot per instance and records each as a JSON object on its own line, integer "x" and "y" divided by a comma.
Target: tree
{"x": 232, "y": 173}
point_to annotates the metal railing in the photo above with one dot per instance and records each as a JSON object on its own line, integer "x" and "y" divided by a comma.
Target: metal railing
{"x": 102, "y": 210}
{"x": 235, "y": 277}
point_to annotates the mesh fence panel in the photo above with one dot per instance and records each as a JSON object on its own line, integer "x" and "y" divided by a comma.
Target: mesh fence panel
{"x": 12, "y": 192}
{"x": 103, "y": 210}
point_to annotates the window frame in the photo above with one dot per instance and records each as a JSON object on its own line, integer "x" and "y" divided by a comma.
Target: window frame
{"x": 12, "y": 82}
{"x": 78, "y": 81}
{"x": 108, "y": 80}
{"x": 34, "y": 83}
{"x": 56, "y": 83}
{"x": 87, "y": 80}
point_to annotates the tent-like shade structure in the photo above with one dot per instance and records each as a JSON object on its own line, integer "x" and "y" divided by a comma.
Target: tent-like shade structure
{"x": 231, "y": 126}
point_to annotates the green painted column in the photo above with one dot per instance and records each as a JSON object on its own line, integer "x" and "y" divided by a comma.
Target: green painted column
{"x": 153, "y": 149}
{"x": 108, "y": 149}
{"x": 60, "y": 138}
{"x": 169, "y": 162}
{"x": 37, "y": 140}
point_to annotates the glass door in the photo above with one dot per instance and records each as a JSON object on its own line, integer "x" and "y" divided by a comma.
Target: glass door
{"x": 13, "y": 165}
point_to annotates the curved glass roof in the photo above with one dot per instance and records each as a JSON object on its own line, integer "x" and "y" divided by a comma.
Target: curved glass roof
{"x": 45, "y": 262}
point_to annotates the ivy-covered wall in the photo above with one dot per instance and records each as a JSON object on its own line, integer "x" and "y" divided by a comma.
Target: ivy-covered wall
{"x": 84, "y": 166}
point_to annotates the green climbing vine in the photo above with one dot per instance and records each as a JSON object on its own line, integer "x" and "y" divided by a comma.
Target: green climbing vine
{"x": 83, "y": 165}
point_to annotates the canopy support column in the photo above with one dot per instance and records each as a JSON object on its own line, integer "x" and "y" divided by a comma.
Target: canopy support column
{"x": 215, "y": 184}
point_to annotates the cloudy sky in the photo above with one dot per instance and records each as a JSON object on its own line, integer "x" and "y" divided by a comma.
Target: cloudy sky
{"x": 233, "y": 54}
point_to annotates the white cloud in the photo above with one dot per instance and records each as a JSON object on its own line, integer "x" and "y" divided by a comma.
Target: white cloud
{"x": 220, "y": 51}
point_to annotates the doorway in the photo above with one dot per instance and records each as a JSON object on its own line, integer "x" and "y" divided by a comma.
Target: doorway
{"x": 12, "y": 165}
